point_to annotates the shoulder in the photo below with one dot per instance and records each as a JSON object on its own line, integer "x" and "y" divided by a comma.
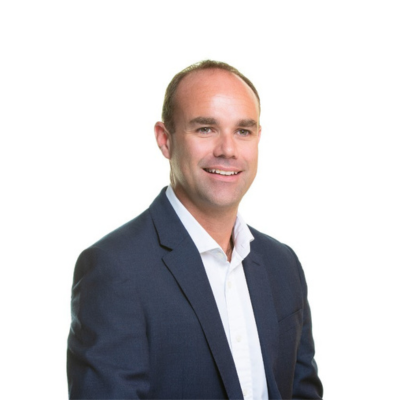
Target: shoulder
{"x": 267, "y": 245}
{"x": 280, "y": 260}
{"x": 138, "y": 232}
{"x": 116, "y": 252}
{"x": 136, "y": 246}
{"x": 133, "y": 233}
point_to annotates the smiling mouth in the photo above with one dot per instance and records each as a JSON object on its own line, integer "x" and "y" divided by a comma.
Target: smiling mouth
{"x": 220, "y": 172}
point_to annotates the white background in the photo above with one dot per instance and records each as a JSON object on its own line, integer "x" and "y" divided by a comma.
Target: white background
{"x": 81, "y": 86}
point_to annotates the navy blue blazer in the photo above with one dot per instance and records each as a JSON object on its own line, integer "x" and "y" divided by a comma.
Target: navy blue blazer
{"x": 145, "y": 323}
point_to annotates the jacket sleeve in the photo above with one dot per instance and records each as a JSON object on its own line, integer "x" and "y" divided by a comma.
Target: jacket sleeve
{"x": 306, "y": 384}
{"x": 107, "y": 355}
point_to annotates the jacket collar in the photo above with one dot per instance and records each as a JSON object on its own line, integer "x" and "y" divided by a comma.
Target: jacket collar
{"x": 170, "y": 229}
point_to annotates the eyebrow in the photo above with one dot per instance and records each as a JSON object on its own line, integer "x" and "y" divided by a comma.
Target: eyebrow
{"x": 245, "y": 123}
{"x": 203, "y": 121}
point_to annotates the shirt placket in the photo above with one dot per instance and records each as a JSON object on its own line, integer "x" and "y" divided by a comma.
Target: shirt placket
{"x": 238, "y": 333}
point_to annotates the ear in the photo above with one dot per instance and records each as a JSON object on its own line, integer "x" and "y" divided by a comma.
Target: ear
{"x": 163, "y": 138}
{"x": 259, "y": 133}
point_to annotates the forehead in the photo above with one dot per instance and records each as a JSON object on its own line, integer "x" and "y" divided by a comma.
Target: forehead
{"x": 206, "y": 87}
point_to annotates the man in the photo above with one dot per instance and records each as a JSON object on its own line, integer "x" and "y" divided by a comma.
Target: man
{"x": 186, "y": 301}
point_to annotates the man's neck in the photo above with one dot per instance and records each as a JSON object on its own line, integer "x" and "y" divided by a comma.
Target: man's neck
{"x": 218, "y": 223}
{"x": 220, "y": 229}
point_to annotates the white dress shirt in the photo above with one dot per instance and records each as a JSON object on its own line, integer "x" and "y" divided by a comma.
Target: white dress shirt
{"x": 229, "y": 287}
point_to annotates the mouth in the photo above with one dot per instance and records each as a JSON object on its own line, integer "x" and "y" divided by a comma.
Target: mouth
{"x": 221, "y": 172}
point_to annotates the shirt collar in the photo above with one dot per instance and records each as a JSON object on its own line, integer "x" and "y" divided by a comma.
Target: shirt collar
{"x": 203, "y": 241}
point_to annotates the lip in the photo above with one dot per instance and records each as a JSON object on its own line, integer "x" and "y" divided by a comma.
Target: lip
{"x": 223, "y": 168}
{"x": 226, "y": 178}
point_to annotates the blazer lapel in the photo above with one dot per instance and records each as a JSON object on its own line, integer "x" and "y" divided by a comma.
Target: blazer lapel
{"x": 264, "y": 310}
{"x": 185, "y": 264}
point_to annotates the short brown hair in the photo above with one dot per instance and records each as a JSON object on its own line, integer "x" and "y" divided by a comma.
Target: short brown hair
{"x": 168, "y": 106}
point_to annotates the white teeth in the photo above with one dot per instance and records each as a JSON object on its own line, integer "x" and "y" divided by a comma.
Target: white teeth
{"x": 218, "y": 171}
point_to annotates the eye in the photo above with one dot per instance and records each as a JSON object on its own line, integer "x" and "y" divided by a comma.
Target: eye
{"x": 204, "y": 130}
{"x": 244, "y": 132}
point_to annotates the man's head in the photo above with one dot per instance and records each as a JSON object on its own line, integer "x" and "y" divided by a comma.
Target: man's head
{"x": 169, "y": 98}
{"x": 213, "y": 149}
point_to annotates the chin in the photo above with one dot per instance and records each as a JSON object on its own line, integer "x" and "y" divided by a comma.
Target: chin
{"x": 223, "y": 202}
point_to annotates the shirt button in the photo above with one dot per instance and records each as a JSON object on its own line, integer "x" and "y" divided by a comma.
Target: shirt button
{"x": 244, "y": 392}
{"x": 229, "y": 284}
{"x": 238, "y": 338}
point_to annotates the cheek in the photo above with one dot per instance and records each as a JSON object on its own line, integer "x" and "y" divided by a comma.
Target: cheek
{"x": 250, "y": 154}
{"x": 194, "y": 151}
{"x": 184, "y": 161}
{"x": 179, "y": 152}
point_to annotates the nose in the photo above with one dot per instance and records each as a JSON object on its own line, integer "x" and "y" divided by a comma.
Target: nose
{"x": 225, "y": 146}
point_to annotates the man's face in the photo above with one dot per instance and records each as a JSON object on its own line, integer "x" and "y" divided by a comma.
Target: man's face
{"x": 213, "y": 152}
